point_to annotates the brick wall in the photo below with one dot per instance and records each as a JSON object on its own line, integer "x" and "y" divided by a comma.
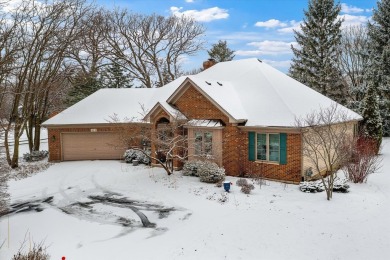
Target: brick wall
{"x": 290, "y": 172}
{"x": 195, "y": 106}
{"x": 54, "y": 144}
{"x": 235, "y": 142}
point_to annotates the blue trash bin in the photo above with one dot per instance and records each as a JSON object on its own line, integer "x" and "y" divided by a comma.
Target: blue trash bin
{"x": 226, "y": 186}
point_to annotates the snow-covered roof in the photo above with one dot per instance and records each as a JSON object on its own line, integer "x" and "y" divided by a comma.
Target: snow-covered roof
{"x": 224, "y": 93}
{"x": 123, "y": 103}
{"x": 204, "y": 123}
{"x": 250, "y": 89}
{"x": 246, "y": 90}
{"x": 172, "y": 111}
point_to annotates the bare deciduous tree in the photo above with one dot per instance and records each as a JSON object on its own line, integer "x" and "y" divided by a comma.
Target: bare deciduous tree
{"x": 87, "y": 51}
{"x": 44, "y": 31}
{"x": 353, "y": 59}
{"x": 168, "y": 140}
{"x": 151, "y": 47}
{"x": 86, "y": 56}
{"x": 325, "y": 135}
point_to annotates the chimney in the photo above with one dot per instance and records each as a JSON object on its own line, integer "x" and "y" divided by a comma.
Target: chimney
{"x": 208, "y": 63}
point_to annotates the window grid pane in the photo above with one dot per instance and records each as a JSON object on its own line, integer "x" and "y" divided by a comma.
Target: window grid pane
{"x": 198, "y": 143}
{"x": 208, "y": 143}
{"x": 262, "y": 147}
{"x": 274, "y": 147}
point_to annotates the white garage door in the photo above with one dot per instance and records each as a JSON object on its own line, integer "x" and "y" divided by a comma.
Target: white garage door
{"x": 91, "y": 146}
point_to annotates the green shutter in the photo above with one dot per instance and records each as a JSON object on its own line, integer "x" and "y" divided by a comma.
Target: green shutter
{"x": 251, "y": 146}
{"x": 283, "y": 148}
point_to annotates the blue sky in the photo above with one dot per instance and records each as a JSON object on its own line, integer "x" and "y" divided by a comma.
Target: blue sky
{"x": 253, "y": 28}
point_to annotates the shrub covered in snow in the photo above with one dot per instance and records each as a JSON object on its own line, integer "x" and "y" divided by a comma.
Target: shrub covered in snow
{"x": 207, "y": 171}
{"x": 311, "y": 186}
{"x": 133, "y": 154}
{"x": 247, "y": 188}
{"x": 35, "y": 156}
{"x": 190, "y": 168}
{"x": 241, "y": 182}
{"x": 339, "y": 185}
{"x": 210, "y": 172}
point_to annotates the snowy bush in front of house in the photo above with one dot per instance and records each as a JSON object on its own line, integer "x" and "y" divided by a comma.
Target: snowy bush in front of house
{"x": 247, "y": 188}
{"x": 339, "y": 185}
{"x": 311, "y": 186}
{"x": 132, "y": 154}
{"x": 210, "y": 172}
{"x": 207, "y": 171}
{"x": 190, "y": 168}
{"x": 35, "y": 156}
{"x": 241, "y": 182}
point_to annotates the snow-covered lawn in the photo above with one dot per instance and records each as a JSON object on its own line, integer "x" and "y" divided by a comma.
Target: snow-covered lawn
{"x": 274, "y": 222}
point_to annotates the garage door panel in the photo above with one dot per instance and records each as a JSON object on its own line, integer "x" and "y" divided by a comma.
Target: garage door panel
{"x": 91, "y": 146}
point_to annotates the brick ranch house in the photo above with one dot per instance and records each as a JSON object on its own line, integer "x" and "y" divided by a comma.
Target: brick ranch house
{"x": 242, "y": 112}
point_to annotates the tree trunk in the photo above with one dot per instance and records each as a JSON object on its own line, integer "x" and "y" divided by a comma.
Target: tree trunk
{"x": 29, "y": 133}
{"x": 15, "y": 157}
{"x": 37, "y": 135}
{"x": 6, "y": 145}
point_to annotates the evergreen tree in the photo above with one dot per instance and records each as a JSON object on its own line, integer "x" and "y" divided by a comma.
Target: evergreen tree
{"x": 221, "y": 52}
{"x": 115, "y": 77}
{"x": 315, "y": 60}
{"x": 82, "y": 88}
{"x": 372, "y": 121}
{"x": 379, "y": 33}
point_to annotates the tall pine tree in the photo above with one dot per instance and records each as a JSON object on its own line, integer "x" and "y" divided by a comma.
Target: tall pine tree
{"x": 114, "y": 76}
{"x": 315, "y": 59}
{"x": 372, "y": 121}
{"x": 82, "y": 88}
{"x": 221, "y": 52}
{"x": 379, "y": 33}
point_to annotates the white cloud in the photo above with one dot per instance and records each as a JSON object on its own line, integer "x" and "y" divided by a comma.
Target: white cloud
{"x": 353, "y": 20}
{"x": 349, "y": 9}
{"x": 189, "y": 1}
{"x": 283, "y": 27}
{"x": 236, "y": 36}
{"x": 205, "y": 15}
{"x": 267, "y": 48}
{"x": 294, "y": 25}
{"x": 272, "y": 23}
{"x": 349, "y": 20}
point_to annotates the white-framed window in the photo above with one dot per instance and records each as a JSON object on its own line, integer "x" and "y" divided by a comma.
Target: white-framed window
{"x": 268, "y": 147}
{"x": 203, "y": 143}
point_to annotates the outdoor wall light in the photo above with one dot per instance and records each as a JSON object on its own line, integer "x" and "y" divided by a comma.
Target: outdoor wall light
{"x": 53, "y": 138}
